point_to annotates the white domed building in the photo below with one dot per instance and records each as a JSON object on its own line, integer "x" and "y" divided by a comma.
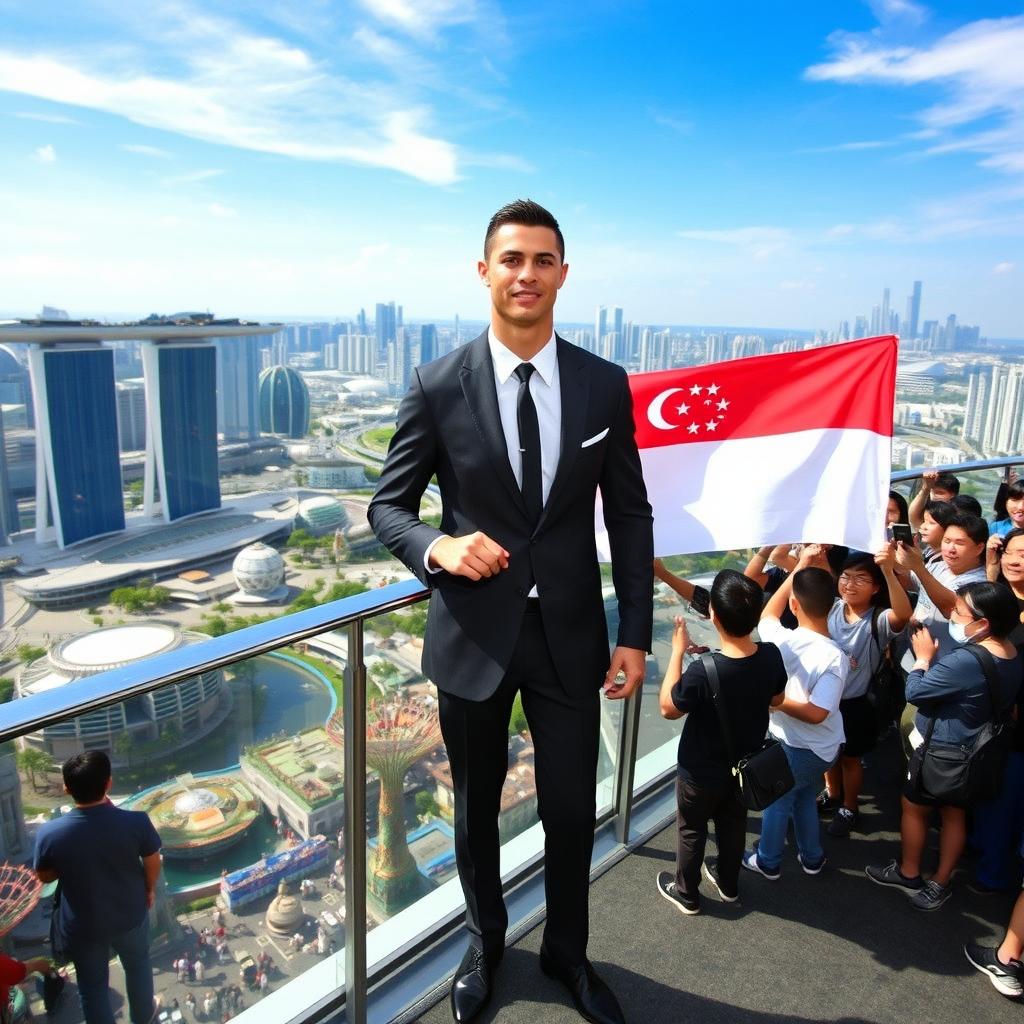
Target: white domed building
{"x": 185, "y": 710}
{"x": 322, "y": 514}
{"x": 259, "y": 572}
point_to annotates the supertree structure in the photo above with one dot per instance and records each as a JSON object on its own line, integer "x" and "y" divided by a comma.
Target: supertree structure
{"x": 398, "y": 734}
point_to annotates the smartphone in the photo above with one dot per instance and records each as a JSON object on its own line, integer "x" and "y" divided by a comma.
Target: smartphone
{"x": 903, "y": 532}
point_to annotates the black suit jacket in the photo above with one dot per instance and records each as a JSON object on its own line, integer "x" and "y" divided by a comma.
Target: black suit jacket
{"x": 449, "y": 425}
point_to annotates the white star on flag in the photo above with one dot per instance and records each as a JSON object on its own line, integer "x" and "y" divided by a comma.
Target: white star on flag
{"x": 695, "y": 390}
{"x": 692, "y": 428}
{"x": 683, "y": 409}
{"x": 713, "y": 390}
{"x": 723, "y": 404}
{"x": 711, "y": 424}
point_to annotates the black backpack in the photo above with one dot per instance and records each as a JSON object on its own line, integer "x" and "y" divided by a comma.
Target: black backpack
{"x": 885, "y": 689}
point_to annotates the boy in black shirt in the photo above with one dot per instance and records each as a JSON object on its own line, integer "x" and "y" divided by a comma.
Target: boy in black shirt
{"x": 752, "y": 677}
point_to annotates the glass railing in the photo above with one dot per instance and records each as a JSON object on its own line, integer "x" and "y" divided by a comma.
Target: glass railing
{"x": 240, "y": 749}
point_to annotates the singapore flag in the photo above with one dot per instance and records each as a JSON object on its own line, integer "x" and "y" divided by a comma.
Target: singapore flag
{"x": 768, "y": 450}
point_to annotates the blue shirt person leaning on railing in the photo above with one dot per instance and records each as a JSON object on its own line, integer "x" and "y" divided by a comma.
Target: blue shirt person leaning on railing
{"x": 107, "y": 861}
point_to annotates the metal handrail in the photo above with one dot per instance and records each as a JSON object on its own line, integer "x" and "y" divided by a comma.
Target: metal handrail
{"x": 960, "y": 467}
{"x": 39, "y": 710}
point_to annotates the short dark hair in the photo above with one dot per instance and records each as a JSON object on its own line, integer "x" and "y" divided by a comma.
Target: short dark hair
{"x": 863, "y": 561}
{"x": 529, "y": 214}
{"x": 943, "y": 512}
{"x": 966, "y": 503}
{"x": 974, "y": 526}
{"x": 901, "y": 506}
{"x": 947, "y": 482}
{"x": 995, "y": 602}
{"x": 836, "y": 557}
{"x": 1005, "y": 492}
{"x": 815, "y": 589}
{"x": 86, "y": 775}
{"x": 737, "y": 602}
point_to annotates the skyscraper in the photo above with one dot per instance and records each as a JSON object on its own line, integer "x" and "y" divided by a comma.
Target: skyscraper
{"x": 385, "y": 326}
{"x": 913, "y": 311}
{"x": 181, "y": 439}
{"x": 78, "y": 470}
{"x": 131, "y": 415}
{"x": 238, "y": 369}
{"x": 428, "y": 343}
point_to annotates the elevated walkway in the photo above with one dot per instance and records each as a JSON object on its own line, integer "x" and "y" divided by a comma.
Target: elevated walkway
{"x": 834, "y": 947}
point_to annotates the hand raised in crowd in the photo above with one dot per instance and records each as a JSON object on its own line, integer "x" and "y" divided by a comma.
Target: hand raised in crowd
{"x": 813, "y": 555}
{"x": 474, "y": 556}
{"x": 994, "y": 549}
{"x": 885, "y": 559}
{"x": 680, "y": 636}
{"x": 909, "y": 556}
{"x": 929, "y": 477}
{"x": 925, "y": 646}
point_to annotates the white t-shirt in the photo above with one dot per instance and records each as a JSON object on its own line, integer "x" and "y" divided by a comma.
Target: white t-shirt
{"x": 928, "y": 615}
{"x": 817, "y": 671}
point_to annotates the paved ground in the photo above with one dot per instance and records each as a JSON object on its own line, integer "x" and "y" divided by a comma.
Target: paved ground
{"x": 829, "y": 948}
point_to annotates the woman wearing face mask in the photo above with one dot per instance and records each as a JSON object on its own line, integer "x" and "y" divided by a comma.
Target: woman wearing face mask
{"x": 952, "y": 693}
{"x": 998, "y": 824}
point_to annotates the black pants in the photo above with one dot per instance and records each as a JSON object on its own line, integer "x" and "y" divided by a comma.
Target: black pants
{"x": 695, "y": 807}
{"x": 565, "y": 737}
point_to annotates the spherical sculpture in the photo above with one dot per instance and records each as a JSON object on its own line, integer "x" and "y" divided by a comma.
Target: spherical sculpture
{"x": 259, "y": 571}
{"x": 284, "y": 402}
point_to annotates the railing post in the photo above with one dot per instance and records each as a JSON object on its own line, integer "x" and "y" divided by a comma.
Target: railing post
{"x": 625, "y": 766}
{"x": 354, "y": 719}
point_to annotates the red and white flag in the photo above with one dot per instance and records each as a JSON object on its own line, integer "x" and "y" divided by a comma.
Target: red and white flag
{"x": 767, "y": 450}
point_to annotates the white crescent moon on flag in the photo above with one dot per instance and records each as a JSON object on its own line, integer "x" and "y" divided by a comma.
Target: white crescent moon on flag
{"x": 654, "y": 410}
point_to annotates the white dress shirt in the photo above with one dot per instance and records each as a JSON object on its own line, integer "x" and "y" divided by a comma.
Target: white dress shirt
{"x": 547, "y": 397}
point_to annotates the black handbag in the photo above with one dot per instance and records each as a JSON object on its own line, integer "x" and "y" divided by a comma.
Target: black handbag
{"x": 58, "y": 954}
{"x": 763, "y": 776}
{"x": 967, "y": 773}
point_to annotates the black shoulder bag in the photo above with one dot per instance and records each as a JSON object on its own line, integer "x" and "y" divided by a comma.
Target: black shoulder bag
{"x": 971, "y": 772}
{"x": 764, "y": 776}
{"x": 58, "y": 953}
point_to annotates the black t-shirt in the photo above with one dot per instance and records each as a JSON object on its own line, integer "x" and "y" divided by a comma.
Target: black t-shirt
{"x": 747, "y": 685}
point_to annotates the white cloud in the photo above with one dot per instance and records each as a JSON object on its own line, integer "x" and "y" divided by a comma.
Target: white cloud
{"x": 898, "y": 10}
{"x": 46, "y": 154}
{"x": 1004, "y": 268}
{"x": 422, "y": 17}
{"x": 219, "y": 210}
{"x": 47, "y": 118}
{"x": 759, "y": 241}
{"x": 143, "y": 150}
{"x": 216, "y": 82}
{"x": 978, "y": 66}
{"x": 851, "y": 147}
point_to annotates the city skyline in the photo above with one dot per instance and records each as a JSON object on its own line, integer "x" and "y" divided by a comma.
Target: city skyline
{"x": 775, "y": 169}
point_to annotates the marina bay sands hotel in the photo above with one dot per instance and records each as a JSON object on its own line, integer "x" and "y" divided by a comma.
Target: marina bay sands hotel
{"x": 78, "y": 471}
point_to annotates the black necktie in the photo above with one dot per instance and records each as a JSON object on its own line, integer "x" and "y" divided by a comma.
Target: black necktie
{"x": 529, "y": 444}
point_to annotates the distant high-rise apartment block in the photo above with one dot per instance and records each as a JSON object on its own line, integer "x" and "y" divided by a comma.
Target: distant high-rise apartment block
{"x": 913, "y": 311}
{"x": 715, "y": 349}
{"x": 283, "y": 402}
{"x": 357, "y": 353}
{"x": 53, "y": 313}
{"x": 131, "y": 415}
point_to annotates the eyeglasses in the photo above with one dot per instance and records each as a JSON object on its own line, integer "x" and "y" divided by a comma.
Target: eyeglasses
{"x": 855, "y": 581}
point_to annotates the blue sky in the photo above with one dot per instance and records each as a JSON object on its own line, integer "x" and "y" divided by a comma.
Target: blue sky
{"x": 762, "y": 164}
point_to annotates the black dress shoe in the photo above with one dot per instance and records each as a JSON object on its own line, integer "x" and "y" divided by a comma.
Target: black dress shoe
{"x": 593, "y": 999}
{"x": 471, "y": 988}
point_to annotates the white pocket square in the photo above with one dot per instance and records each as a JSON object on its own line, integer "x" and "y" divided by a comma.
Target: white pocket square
{"x": 597, "y": 437}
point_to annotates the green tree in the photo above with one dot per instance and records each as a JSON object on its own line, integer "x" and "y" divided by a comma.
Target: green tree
{"x": 517, "y": 722}
{"x": 426, "y": 805}
{"x": 33, "y": 762}
{"x": 29, "y": 652}
{"x": 6, "y": 689}
{"x": 124, "y": 744}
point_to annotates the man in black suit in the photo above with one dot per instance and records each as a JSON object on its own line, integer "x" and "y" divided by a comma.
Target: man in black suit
{"x": 521, "y": 428}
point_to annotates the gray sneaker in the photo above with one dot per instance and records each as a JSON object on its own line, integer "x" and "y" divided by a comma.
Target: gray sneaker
{"x": 931, "y": 896}
{"x": 1005, "y": 978}
{"x": 891, "y": 875}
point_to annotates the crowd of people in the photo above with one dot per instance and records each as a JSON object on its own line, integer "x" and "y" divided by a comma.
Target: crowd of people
{"x": 923, "y": 635}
